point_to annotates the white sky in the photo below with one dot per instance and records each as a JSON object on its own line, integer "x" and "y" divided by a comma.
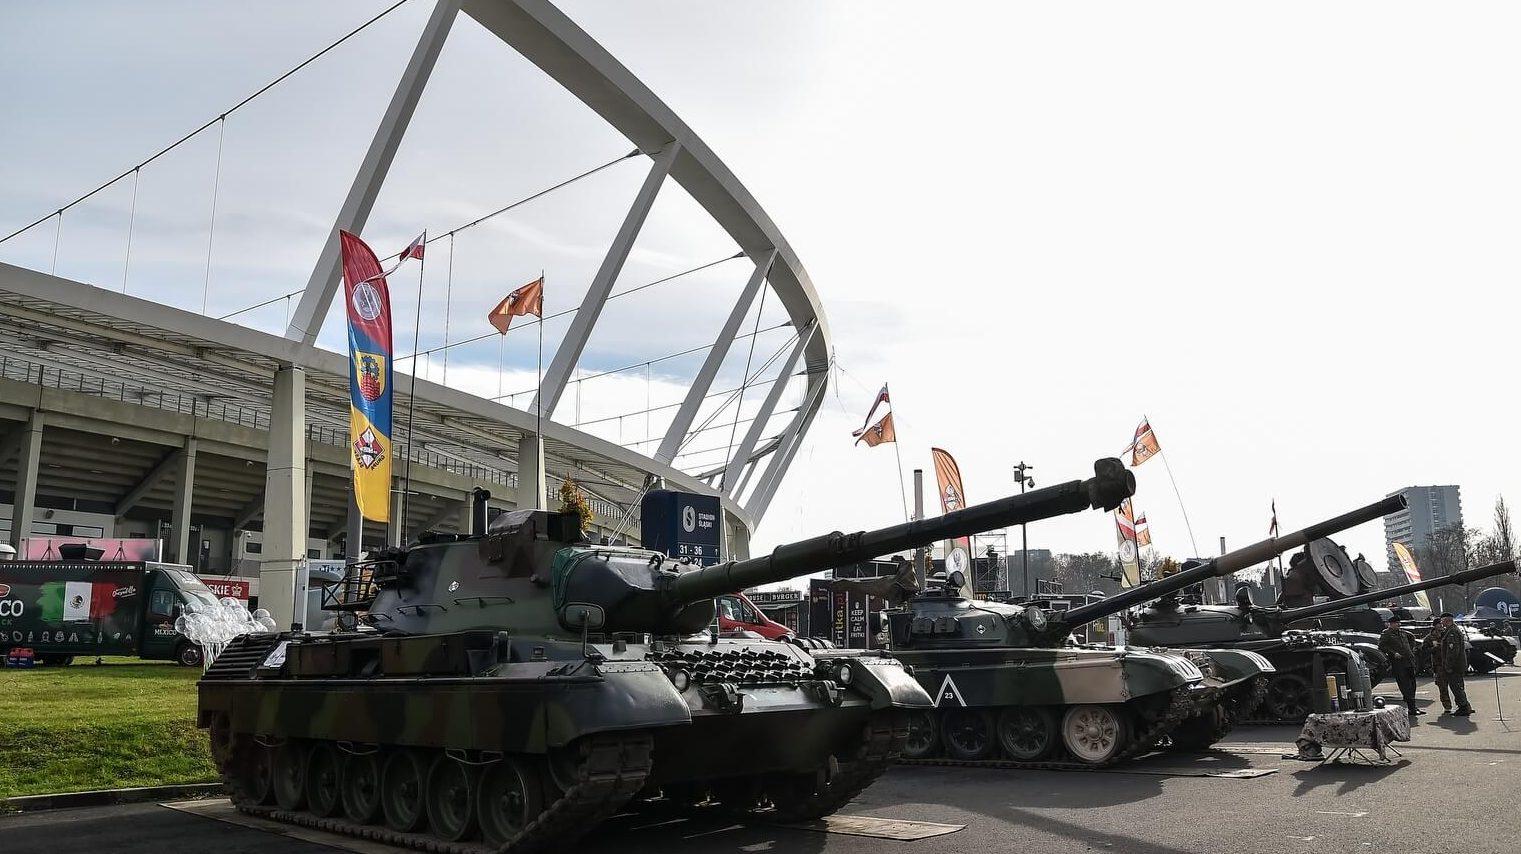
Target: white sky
{"x": 1283, "y": 231}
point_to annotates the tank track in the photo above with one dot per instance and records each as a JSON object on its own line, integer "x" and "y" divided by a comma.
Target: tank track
{"x": 1238, "y": 710}
{"x": 614, "y": 771}
{"x": 882, "y": 742}
{"x": 1178, "y": 708}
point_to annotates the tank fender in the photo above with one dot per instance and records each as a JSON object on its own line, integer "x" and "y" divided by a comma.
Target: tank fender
{"x": 633, "y": 695}
{"x": 1238, "y": 665}
{"x": 498, "y": 713}
{"x": 883, "y": 680}
{"x": 1148, "y": 673}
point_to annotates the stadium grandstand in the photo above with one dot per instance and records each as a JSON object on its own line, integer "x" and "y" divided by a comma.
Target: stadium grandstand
{"x": 213, "y": 414}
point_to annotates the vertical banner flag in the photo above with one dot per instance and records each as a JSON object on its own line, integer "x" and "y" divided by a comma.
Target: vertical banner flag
{"x": 958, "y": 554}
{"x": 1142, "y": 532}
{"x": 1412, "y": 573}
{"x": 1124, "y": 525}
{"x": 1144, "y": 446}
{"x": 369, "y": 312}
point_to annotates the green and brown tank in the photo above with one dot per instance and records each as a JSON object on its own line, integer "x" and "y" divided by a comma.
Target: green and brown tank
{"x": 519, "y": 686}
{"x": 1300, "y": 635}
{"x": 1009, "y": 686}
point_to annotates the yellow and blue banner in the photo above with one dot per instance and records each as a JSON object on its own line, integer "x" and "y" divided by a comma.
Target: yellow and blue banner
{"x": 369, "y": 314}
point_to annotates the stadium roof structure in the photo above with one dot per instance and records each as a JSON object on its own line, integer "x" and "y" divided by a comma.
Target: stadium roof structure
{"x": 93, "y": 357}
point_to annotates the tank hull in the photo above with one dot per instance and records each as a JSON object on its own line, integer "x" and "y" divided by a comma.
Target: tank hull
{"x": 760, "y": 726}
{"x": 1035, "y": 700}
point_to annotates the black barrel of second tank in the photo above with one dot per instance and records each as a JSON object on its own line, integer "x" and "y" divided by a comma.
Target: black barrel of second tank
{"x": 1111, "y": 484}
{"x": 1232, "y": 561}
{"x": 1467, "y": 576}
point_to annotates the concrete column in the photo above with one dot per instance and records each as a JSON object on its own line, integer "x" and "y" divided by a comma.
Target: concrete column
{"x": 284, "y": 497}
{"x": 531, "y": 489}
{"x": 178, "y": 550}
{"x": 29, "y": 459}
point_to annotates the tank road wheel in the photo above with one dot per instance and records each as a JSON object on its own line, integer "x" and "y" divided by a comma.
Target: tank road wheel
{"x": 323, "y": 795}
{"x": 968, "y": 733}
{"x": 507, "y": 800}
{"x": 1095, "y": 735}
{"x": 1288, "y": 697}
{"x": 254, "y": 774}
{"x": 1027, "y": 733}
{"x": 402, "y": 783}
{"x": 289, "y": 771}
{"x": 451, "y": 799}
{"x": 360, "y": 786}
{"x": 923, "y": 734}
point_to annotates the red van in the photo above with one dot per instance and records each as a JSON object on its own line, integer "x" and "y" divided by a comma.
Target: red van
{"x": 736, "y": 613}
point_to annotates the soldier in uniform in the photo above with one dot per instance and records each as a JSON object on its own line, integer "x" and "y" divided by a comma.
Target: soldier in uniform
{"x": 1398, "y": 646}
{"x": 1449, "y": 661}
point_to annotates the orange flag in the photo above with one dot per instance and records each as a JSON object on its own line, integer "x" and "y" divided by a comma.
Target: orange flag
{"x": 1144, "y": 446}
{"x": 529, "y": 299}
{"x": 880, "y": 432}
{"x": 1142, "y": 531}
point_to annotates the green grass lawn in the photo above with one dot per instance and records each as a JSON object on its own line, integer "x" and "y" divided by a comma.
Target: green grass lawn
{"x": 124, "y": 723}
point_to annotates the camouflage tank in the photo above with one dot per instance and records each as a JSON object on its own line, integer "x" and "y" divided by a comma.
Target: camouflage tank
{"x": 1009, "y": 687}
{"x": 1293, "y": 633}
{"x": 521, "y": 685}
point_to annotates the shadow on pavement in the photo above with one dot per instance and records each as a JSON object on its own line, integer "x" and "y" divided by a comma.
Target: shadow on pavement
{"x": 1452, "y": 723}
{"x": 702, "y": 832}
{"x": 1089, "y": 836}
{"x": 1064, "y": 789}
{"x": 1348, "y": 776}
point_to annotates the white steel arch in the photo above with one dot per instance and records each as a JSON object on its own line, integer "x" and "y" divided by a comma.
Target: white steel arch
{"x": 550, "y": 40}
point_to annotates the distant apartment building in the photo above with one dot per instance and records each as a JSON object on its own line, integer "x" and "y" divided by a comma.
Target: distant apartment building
{"x": 1427, "y": 509}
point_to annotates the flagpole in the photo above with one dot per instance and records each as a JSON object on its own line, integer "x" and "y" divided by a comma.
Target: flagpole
{"x": 1179, "y": 495}
{"x": 406, "y": 479}
{"x": 538, "y": 401}
{"x": 902, "y": 490}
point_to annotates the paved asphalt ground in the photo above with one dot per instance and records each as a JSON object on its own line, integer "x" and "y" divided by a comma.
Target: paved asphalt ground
{"x": 1455, "y": 791}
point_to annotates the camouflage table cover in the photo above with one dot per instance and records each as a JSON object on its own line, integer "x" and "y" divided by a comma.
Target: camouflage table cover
{"x": 1371, "y": 729}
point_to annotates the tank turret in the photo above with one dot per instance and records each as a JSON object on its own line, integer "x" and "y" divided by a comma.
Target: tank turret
{"x": 941, "y": 617}
{"x": 531, "y": 558}
{"x": 1467, "y": 576}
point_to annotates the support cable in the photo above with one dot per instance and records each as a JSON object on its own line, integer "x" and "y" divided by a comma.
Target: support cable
{"x": 450, "y": 234}
{"x": 211, "y": 228}
{"x": 126, "y": 264}
{"x": 648, "y": 362}
{"x": 738, "y": 409}
{"x": 225, "y": 113}
{"x": 483, "y": 336}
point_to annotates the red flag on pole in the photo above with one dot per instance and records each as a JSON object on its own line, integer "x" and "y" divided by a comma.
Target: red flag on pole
{"x": 880, "y": 432}
{"x": 1144, "y": 446}
{"x": 529, "y": 299}
{"x": 416, "y": 247}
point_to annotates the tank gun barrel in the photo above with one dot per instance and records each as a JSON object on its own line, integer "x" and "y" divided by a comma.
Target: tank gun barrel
{"x": 1110, "y": 485}
{"x": 1467, "y": 576}
{"x": 1232, "y": 561}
